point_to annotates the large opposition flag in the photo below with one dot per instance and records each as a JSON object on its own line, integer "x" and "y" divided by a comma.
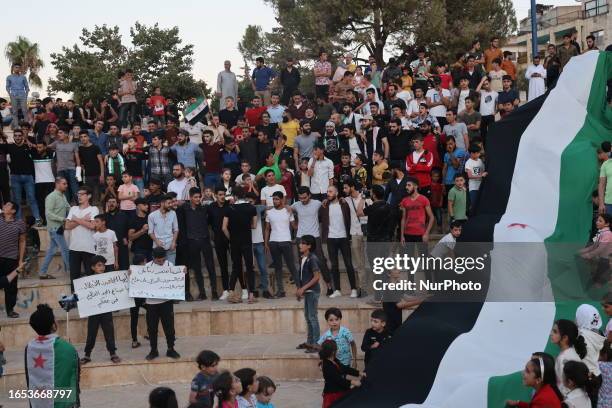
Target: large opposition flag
{"x": 543, "y": 168}
{"x": 52, "y": 365}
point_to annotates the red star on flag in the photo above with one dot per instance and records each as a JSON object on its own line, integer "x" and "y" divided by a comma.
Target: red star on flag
{"x": 39, "y": 362}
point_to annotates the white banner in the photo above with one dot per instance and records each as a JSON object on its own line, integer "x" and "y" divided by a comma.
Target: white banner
{"x": 104, "y": 292}
{"x": 157, "y": 282}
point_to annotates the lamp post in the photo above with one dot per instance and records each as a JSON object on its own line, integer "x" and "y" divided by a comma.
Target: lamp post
{"x": 534, "y": 30}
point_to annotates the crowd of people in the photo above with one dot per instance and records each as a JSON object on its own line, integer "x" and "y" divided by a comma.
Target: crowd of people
{"x": 373, "y": 155}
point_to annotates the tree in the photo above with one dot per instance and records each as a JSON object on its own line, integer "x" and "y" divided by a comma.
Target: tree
{"x": 156, "y": 55}
{"x": 28, "y": 55}
{"x": 450, "y": 26}
{"x": 377, "y": 27}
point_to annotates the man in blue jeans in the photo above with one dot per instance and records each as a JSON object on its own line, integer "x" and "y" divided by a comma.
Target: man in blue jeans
{"x": 22, "y": 172}
{"x": 259, "y": 251}
{"x": 17, "y": 87}
{"x": 67, "y": 157}
{"x": 309, "y": 289}
{"x": 56, "y": 208}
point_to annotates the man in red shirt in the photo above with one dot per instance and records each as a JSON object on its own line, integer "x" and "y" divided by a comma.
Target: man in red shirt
{"x": 417, "y": 218}
{"x": 430, "y": 142}
{"x": 253, "y": 114}
{"x": 419, "y": 164}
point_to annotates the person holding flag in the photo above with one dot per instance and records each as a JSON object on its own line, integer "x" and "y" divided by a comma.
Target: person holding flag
{"x": 51, "y": 364}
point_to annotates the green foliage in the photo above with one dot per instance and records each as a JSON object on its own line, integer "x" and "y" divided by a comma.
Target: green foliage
{"x": 28, "y": 55}
{"x": 450, "y": 26}
{"x": 371, "y": 27}
{"x": 156, "y": 55}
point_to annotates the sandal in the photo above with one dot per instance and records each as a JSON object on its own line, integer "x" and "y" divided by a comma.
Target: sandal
{"x": 135, "y": 344}
{"x": 85, "y": 360}
{"x": 115, "y": 359}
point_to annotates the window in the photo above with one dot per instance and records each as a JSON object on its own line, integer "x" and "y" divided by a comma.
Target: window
{"x": 599, "y": 38}
{"x": 595, "y": 7}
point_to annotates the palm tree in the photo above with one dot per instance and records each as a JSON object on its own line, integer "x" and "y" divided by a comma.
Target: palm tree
{"x": 28, "y": 54}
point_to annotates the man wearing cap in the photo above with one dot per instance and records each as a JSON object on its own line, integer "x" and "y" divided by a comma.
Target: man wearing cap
{"x": 17, "y": 87}
{"x": 290, "y": 80}
{"x": 186, "y": 152}
{"x": 163, "y": 228}
{"x": 160, "y": 310}
{"x": 374, "y": 139}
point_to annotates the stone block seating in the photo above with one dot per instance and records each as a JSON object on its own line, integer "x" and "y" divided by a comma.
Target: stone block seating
{"x": 262, "y": 335}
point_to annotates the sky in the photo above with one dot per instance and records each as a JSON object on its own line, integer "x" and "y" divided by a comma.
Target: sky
{"x": 214, "y": 27}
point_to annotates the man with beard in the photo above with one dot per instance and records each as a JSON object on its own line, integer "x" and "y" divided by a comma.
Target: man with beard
{"x": 430, "y": 142}
{"x": 335, "y": 216}
{"x": 239, "y": 220}
{"x": 417, "y": 220}
{"x": 321, "y": 173}
{"x": 216, "y": 213}
{"x": 331, "y": 143}
{"x": 113, "y": 137}
{"x": 351, "y": 118}
{"x": 186, "y": 152}
{"x": 305, "y": 142}
{"x": 159, "y": 160}
{"x": 193, "y": 219}
{"x": 374, "y": 139}
{"x": 298, "y": 107}
{"x": 317, "y": 124}
{"x": 290, "y": 79}
{"x": 179, "y": 185}
{"x": 118, "y": 221}
{"x": 267, "y": 126}
{"x": 163, "y": 228}
{"x": 350, "y": 143}
{"x": 400, "y": 143}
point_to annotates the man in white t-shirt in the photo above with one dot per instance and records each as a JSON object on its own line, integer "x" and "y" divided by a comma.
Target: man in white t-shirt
{"x": 270, "y": 188}
{"x": 321, "y": 173}
{"x": 81, "y": 226}
{"x": 277, "y": 240}
{"x": 179, "y": 185}
{"x": 105, "y": 243}
{"x": 438, "y": 100}
{"x": 336, "y": 229}
{"x": 415, "y": 104}
{"x": 356, "y": 204}
{"x": 475, "y": 169}
{"x": 307, "y": 223}
{"x": 488, "y": 106}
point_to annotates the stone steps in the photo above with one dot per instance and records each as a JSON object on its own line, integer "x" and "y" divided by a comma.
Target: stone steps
{"x": 273, "y": 355}
{"x": 204, "y": 318}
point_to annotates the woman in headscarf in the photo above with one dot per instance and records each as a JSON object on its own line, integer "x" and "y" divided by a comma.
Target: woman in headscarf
{"x": 589, "y": 323}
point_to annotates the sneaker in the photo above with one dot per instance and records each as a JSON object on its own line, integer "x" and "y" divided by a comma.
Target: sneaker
{"x": 214, "y": 296}
{"x": 256, "y": 294}
{"x": 245, "y": 294}
{"x": 173, "y": 354}
{"x": 12, "y": 314}
{"x": 336, "y": 294}
{"x": 280, "y": 295}
{"x": 202, "y": 296}
{"x": 152, "y": 355}
{"x": 329, "y": 292}
{"x": 224, "y": 295}
{"x": 267, "y": 295}
{"x": 354, "y": 293}
{"x": 188, "y": 297}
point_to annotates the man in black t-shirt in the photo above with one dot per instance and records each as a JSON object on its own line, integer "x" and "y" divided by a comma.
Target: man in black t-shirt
{"x": 239, "y": 220}
{"x": 138, "y": 230}
{"x": 193, "y": 220}
{"x": 229, "y": 115}
{"x": 156, "y": 195}
{"x": 92, "y": 164}
{"x": 216, "y": 213}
